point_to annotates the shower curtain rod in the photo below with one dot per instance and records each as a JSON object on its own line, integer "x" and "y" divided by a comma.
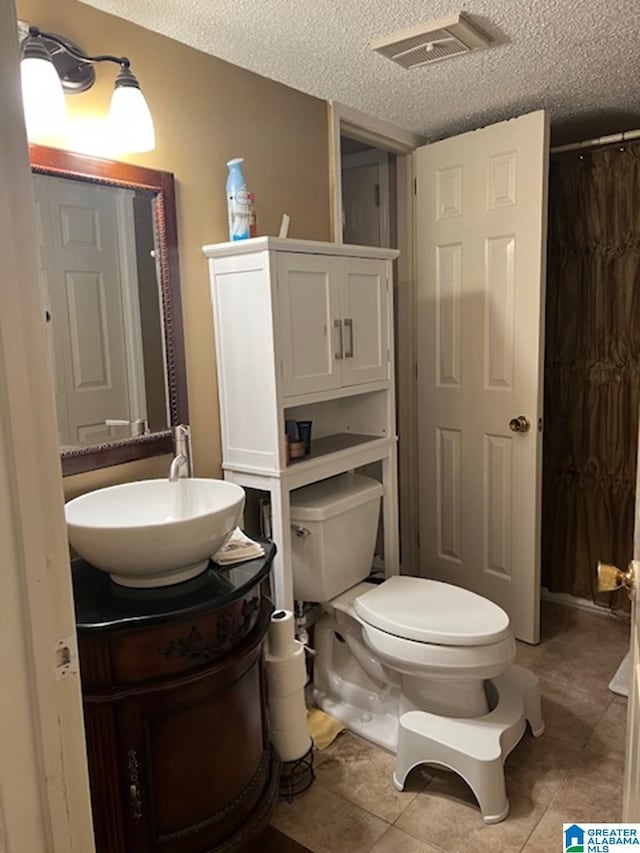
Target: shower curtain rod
{"x": 599, "y": 140}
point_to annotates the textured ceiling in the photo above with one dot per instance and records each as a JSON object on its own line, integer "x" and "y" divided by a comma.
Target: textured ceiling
{"x": 579, "y": 59}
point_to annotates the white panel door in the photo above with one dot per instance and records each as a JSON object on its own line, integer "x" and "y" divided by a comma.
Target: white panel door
{"x": 310, "y": 325}
{"x": 481, "y": 235}
{"x": 361, "y": 205}
{"x": 363, "y": 299}
{"x": 83, "y": 277}
{"x": 365, "y": 198}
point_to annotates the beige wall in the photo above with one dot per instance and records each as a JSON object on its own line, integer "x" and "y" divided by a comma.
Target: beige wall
{"x": 205, "y": 111}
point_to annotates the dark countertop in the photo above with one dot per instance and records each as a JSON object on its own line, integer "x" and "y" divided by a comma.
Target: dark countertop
{"x": 100, "y": 603}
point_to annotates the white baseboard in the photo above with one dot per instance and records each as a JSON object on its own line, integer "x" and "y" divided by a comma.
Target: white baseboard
{"x": 573, "y": 601}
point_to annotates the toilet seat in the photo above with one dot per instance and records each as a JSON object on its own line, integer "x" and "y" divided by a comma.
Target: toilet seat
{"x": 481, "y": 644}
{"x": 445, "y": 662}
{"x": 431, "y": 612}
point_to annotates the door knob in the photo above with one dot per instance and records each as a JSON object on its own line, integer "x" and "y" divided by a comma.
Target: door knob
{"x": 611, "y": 577}
{"x": 520, "y": 424}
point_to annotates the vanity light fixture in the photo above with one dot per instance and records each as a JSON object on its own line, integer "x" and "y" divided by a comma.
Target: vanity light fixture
{"x": 52, "y": 65}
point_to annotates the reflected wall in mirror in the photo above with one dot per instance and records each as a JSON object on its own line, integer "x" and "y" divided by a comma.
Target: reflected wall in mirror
{"x": 108, "y": 260}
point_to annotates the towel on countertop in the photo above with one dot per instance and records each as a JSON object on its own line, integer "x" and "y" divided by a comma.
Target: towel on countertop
{"x": 237, "y": 549}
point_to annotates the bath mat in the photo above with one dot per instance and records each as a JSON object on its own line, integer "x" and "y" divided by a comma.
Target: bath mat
{"x": 322, "y": 728}
{"x": 620, "y": 681}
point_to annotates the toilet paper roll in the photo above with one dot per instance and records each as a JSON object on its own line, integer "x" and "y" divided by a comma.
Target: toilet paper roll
{"x": 282, "y": 634}
{"x": 291, "y": 743}
{"x": 286, "y": 711}
{"x": 286, "y": 675}
{"x": 296, "y": 651}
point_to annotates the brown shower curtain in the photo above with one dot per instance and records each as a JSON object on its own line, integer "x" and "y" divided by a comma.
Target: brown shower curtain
{"x": 592, "y": 365}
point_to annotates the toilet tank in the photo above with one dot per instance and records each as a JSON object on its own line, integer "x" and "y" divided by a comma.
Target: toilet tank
{"x": 334, "y": 529}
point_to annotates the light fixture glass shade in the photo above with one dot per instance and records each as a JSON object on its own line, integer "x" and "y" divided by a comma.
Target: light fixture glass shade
{"x": 130, "y": 121}
{"x": 45, "y": 110}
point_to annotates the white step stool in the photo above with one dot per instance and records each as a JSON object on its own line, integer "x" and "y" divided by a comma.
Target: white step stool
{"x": 474, "y": 748}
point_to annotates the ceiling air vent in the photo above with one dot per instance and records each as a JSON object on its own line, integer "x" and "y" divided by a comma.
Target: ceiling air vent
{"x": 432, "y": 42}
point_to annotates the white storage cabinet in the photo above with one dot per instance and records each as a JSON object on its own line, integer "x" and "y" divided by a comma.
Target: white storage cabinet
{"x": 304, "y": 331}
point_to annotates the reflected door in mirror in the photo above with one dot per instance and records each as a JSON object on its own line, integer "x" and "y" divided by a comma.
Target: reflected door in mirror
{"x": 100, "y": 288}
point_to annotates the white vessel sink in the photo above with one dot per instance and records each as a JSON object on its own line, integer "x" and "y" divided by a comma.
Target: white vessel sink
{"x": 153, "y": 532}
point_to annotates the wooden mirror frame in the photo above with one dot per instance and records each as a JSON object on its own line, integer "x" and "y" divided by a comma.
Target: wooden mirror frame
{"x": 59, "y": 163}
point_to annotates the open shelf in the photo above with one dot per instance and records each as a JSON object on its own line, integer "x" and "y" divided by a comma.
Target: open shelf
{"x": 334, "y": 454}
{"x": 331, "y": 454}
{"x": 336, "y": 393}
{"x": 333, "y": 444}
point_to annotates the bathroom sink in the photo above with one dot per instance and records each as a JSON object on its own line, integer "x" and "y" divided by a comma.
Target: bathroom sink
{"x": 153, "y": 532}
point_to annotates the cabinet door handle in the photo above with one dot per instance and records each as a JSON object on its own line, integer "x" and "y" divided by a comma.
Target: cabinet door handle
{"x": 337, "y": 324}
{"x": 135, "y": 798}
{"x": 348, "y": 324}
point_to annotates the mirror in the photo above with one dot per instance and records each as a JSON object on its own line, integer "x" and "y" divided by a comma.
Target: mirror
{"x": 108, "y": 253}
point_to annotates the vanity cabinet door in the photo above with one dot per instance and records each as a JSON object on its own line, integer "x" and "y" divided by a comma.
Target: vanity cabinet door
{"x": 181, "y": 763}
{"x": 310, "y": 328}
{"x": 195, "y": 762}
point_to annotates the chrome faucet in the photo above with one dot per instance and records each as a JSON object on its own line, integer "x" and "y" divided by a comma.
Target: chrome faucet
{"x": 181, "y": 462}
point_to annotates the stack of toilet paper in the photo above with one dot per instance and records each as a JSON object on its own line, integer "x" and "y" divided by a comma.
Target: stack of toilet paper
{"x": 286, "y": 677}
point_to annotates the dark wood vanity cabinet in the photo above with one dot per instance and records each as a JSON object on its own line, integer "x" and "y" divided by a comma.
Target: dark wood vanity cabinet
{"x": 174, "y": 700}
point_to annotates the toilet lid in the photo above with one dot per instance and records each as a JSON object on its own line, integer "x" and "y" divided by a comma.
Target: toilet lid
{"x": 432, "y": 612}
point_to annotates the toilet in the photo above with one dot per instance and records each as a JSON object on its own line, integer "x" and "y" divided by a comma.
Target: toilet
{"x": 422, "y": 668}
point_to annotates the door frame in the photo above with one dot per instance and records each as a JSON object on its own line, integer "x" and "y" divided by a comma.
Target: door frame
{"x": 630, "y": 787}
{"x": 126, "y": 233}
{"x": 44, "y": 790}
{"x": 345, "y": 121}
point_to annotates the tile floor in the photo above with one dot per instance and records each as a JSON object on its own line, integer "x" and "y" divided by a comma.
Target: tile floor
{"x": 573, "y": 773}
